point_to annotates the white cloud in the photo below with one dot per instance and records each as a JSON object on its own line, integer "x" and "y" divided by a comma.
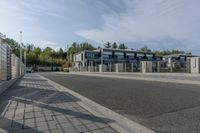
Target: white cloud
{"x": 55, "y": 46}
{"x": 162, "y": 24}
{"x": 28, "y": 16}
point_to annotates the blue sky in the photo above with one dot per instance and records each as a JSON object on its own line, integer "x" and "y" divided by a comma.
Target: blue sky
{"x": 158, "y": 24}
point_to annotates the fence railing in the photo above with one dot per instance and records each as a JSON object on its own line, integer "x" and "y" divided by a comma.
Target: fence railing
{"x": 155, "y": 67}
{"x": 9, "y": 64}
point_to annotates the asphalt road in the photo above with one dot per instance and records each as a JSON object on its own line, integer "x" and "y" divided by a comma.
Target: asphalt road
{"x": 162, "y": 107}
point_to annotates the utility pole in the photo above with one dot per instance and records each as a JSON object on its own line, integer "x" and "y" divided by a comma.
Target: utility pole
{"x": 101, "y": 66}
{"x": 20, "y": 53}
{"x": 102, "y": 54}
{"x": 25, "y": 58}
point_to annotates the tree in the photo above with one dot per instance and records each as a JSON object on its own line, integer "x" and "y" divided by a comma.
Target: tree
{"x": 60, "y": 53}
{"x": 168, "y": 52}
{"x": 75, "y": 48}
{"x": 107, "y": 45}
{"x": 145, "y": 49}
{"x": 122, "y": 46}
{"x": 13, "y": 44}
{"x": 114, "y": 45}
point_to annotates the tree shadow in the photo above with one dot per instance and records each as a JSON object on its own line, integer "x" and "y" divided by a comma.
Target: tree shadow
{"x": 64, "y": 111}
{"x": 11, "y": 126}
{"x": 40, "y": 94}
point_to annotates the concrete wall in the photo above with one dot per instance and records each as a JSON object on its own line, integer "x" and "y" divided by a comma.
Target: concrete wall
{"x": 102, "y": 68}
{"x": 195, "y": 64}
{"x": 146, "y": 66}
{"x": 91, "y": 68}
{"x": 119, "y": 67}
{"x": 15, "y": 66}
{"x": 48, "y": 68}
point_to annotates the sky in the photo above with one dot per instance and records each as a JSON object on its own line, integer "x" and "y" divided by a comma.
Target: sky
{"x": 157, "y": 24}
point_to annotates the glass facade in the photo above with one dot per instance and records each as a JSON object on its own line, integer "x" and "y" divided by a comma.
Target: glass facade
{"x": 111, "y": 56}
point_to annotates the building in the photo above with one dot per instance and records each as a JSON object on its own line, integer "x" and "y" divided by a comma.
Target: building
{"x": 130, "y": 59}
{"x": 178, "y": 62}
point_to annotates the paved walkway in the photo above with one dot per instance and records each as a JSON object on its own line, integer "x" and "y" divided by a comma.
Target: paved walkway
{"x": 32, "y": 105}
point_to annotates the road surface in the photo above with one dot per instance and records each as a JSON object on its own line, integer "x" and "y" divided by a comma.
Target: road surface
{"x": 162, "y": 107}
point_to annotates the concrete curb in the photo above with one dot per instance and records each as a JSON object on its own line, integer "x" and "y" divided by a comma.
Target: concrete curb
{"x": 121, "y": 124}
{"x": 141, "y": 78}
{"x": 4, "y": 85}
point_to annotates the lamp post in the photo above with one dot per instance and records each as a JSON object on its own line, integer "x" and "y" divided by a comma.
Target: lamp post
{"x": 25, "y": 59}
{"x": 102, "y": 55}
{"x": 52, "y": 61}
{"x": 20, "y": 53}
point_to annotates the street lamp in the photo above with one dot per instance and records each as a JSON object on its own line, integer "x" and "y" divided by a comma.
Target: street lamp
{"x": 52, "y": 61}
{"x": 25, "y": 58}
{"x": 20, "y": 53}
{"x": 102, "y": 54}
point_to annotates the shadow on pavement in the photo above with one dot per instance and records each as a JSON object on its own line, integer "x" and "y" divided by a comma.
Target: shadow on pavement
{"x": 32, "y": 91}
{"x": 10, "y": 126}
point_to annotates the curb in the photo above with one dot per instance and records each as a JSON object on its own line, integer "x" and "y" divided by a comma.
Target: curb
{"x": 144, "y": 79}
{"x": 121, "y": 123}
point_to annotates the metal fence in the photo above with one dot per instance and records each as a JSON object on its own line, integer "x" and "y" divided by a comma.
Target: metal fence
{"x": 155, "y": 67}
{"x": 9, "y": 64}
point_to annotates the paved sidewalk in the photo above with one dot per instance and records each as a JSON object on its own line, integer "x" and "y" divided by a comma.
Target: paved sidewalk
{"x": 32, "y": 105}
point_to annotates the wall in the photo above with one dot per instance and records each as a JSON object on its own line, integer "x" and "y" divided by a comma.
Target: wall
{"x": 195, "y": 64}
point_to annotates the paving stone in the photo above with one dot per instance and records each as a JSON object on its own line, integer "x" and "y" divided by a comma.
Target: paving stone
{"x": 29, "y": 115}
{"x": 49, "y": 118}
{"x": 48, "y": 110}
{"x": 39, "y": 120}
{"x": 54, "y": 131}
{"x": 41, "y": 124}
{"x": 62, "y": 125}
{"x": 84, "y": 121}
{"x": 76, "y": 121}
{"x": 39, "y": 114}
{"x": 92, "y": 126}
{"x": 98, "y": 131}
{"x": 19, "y": 116}
{"x": 70, "y": 130}
{"x": 109, "y": 130}
{"x": 43, "y": 128}
{"x": 82, "y": 129}
{"x": 101, "y": 125}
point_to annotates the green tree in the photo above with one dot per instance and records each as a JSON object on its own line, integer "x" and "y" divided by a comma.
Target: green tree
{"x": 169, "y": 52}
{"x": 122, "y": 46}
{"x": 14, "y": 45}
{"x": 60, "y": 53}
{"x": 107, "y": 45}
{"x": 75, "y": 48}
{"x": 145, "y": 49}
{"x": 114, "y": 45}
